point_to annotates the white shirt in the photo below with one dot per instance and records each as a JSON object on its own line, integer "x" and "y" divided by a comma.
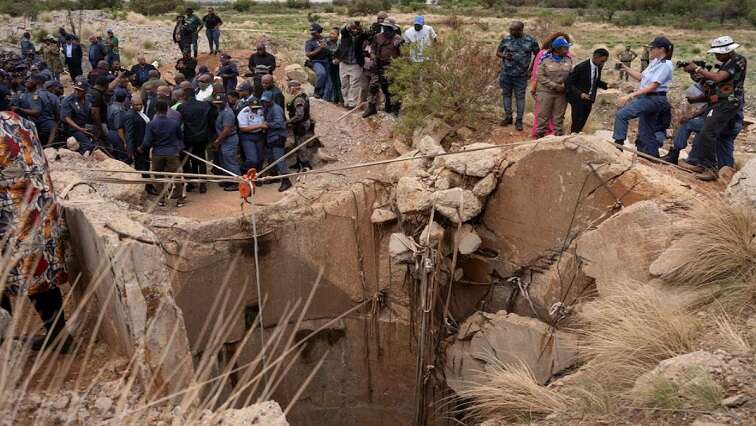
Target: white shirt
{"x": 69, "y": 50}
{"x": 594, "y": 73}
{"x": 206, "y": 94}
{"x": 419, "y": 40}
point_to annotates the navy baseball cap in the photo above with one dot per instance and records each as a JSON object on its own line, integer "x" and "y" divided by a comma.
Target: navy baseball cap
{"x": 267, "y": 96}
{"x": 80, "y": 85}
{"x": 661, "y": 41}
{"x": 219, "y": 98}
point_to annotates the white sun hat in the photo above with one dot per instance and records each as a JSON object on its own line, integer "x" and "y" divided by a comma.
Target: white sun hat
{"x": 723, "y": 44}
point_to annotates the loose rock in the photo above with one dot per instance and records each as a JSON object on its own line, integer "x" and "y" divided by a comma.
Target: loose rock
{"x": 432, "y": 234}
{"x": 475, "y": 163}
{"x": 412, "y": 195}
{"x": 457, "y": 204}
{"x": 485, "y": 186}
{"x": 382, "y": 216}
{"x": 468, "y": 240}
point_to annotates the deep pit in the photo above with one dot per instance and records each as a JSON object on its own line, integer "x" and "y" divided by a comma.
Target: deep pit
{"x": 520, "y": 269}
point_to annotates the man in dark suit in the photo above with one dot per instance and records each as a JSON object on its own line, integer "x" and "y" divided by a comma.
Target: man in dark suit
{"x": 582, "y": 84}
{"x": 135, "y": 125}
{"x": 73, "y": 54}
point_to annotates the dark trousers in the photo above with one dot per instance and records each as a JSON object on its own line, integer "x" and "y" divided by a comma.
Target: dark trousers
{"x": 722, "y": 116}
{"x": 580, "y": 112}
{"x": 192, "y": 165}
{"x": 47, "y": 304}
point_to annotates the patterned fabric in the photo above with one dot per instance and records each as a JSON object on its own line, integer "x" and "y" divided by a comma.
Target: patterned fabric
{"x": 517, "y": 52}
{"x": 732, "y": 87}
{"x": 31, "y": 221}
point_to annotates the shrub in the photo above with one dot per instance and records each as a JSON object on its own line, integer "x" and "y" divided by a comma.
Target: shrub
{"x": 367, "y": 7}
{"x": 457, "y": 84}
{"x": 39, "y": 34}
{"x": 242, "y": 5}
{"x": 298, "y": 4}
{"x": 156, "y": 7}
{"x": 566, "y": 20}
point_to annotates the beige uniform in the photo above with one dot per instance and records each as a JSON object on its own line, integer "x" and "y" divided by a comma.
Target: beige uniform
{"x": 551, "y": 93}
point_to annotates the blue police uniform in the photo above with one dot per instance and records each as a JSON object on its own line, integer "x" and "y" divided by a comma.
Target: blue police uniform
{"x": 252, "y": 143}
{"x": 116, "y": 119}
{"x": 518, "y": 55}
{"x": 228, "y": 146}
{"x": 647, "y": 108}
{"x": 276, "y": 135}
{"x": 80, "y": 112}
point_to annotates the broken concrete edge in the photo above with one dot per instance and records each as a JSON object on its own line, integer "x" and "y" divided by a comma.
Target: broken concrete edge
{"x": 124, "y": 277}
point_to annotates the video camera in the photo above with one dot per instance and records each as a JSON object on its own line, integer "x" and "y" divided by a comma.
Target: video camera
{"x": 702, "y": 64}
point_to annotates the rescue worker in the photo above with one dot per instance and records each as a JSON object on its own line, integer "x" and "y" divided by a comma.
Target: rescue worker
{"x": 626, "y": 58}
{"x": 516, "y": 52}
{"x": 384, "y": 48}
{"x": 226, "y": 142}
{"x": 111, "y": 48}
{"x": 302, "y": 125}
{"x": 644, "y": 58}
{"x": 648, "y": 102}
{"x": 729, "y": 96}
{"x": 76, "y": 114}
{"x": 276, "y": 133}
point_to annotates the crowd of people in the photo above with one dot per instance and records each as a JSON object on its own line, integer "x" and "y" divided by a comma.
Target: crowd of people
{"x": 716, "y": 98}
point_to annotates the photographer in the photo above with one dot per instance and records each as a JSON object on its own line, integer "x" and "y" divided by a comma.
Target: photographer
{"x": 649, "y": 101}
{"x": 727, "y": 103}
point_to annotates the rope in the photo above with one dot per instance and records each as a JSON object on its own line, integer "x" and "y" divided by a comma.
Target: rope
{"x": 258, "y": 281}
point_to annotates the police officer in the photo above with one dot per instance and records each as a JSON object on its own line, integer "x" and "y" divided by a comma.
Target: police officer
{"x": 228, "y": 72}
{"x": 517, "y": 52}
{"x": 75, "y": 111}
{"x": 116, "y": 121}
{"x": 648, "y": 102}
{"x": 226, "y": 141}
{"x": 726, "y": 113}
{"x": 276, "y": 133}
{"x": 39, "y": 106}
{"x": 302, "y": 125}
{"x": 252, "y": 135}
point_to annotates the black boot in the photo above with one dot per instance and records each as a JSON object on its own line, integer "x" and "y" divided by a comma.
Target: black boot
{"x": 285, "y": 184}
{"x": 672, "y": 156}
{"x": 150, "y": 188}
{"x": 49, "y": 306}
{"x": 371, "y": 109}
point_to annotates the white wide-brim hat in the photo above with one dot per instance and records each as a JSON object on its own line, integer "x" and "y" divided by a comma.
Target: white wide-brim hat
{"x": 723, "y": 45}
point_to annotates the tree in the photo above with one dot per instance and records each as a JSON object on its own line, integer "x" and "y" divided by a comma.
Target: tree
{"x": 610, "y": 7}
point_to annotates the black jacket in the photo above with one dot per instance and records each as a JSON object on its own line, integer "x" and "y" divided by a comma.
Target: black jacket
{"x": 198, "y": 118}
{"x": 76, "y": 55}
{"x": 135, "y": 127}
{"x": 579, "y": 81}
{"x": 352, "y": 42}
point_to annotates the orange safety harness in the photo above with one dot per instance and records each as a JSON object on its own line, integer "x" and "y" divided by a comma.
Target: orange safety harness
{"x": 247, "y": 188}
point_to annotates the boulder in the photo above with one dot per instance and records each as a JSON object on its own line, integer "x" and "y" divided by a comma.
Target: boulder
{"x": 468, "y": 241}
{"x": 382, "y": 216}
{"x": 401, "y": 247}
{"x": 457, "y": 204}
{"x": 296, "y": 72}
{"x": 434, "y": 128}
{"x": 412, "y": 195}
{"x": 5, "y": 322}
{"x": 432, "y": 234}
{"x": 683, "y": 372}
{"x": 428, "y": 146}
{"x": 400, "y": 169}
{"x": 401, "y": 147}
{"x": 477, "y": 163}
{"x": 72, "y": 144}
{"x": 465, "y": 133}
{"x": 484, "y": 187}
{"x": 622, "y": 248}
{"x": 511, "y": 339}
{"x": 742, "y": 188}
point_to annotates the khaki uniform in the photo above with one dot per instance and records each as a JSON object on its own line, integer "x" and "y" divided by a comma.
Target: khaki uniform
{"x": 551, "y": 93}
{"x": 51, "y": 56}
{"x": 626, "y": 57}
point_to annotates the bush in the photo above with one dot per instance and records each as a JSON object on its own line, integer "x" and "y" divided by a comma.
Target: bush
{"x": 242, "y": 5}
{"x": 156, "y": 7}
{"x": 566, "y": 20}
{"x": 298, "y": 4}
{"x": 457, "y": 85}
{"x": 367, "y": 7}
{"x": 39, "y": 34}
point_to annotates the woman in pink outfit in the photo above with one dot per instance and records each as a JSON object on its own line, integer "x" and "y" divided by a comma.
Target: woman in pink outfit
{"x": 534, "y": 79}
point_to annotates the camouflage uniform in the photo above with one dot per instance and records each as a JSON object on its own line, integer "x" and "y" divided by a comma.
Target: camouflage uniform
{"x": 644, "y": 58}
{"x": 51, "y": 56}
{"x": 302, "y": 126}
{"x": 626, "y": 57}
{"x": 383, "y": 50}
{"x": 518, "y": 55}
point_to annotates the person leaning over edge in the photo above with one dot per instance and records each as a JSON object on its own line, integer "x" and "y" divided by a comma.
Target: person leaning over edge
{"x": 582, "y": 85}
{"x": 649, "y": 101}
{"x": 729, "y": 98}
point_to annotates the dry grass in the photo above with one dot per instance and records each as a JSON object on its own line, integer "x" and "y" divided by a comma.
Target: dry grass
{"x": 731, "y": 338}
{"x": 136, "y": 18}
{"x": 510, "y": 392}
{"x": 703, "y": 394}
{"x": 630, "y": 331}
{"x": 719, "y": 250}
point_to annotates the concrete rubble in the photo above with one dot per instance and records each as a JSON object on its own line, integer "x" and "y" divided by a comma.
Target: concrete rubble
{"x": 742, "y": 188}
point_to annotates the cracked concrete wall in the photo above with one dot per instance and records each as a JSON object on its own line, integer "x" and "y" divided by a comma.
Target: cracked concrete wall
{"x": 365, "y": 378}
{"x": 125, "y": 285}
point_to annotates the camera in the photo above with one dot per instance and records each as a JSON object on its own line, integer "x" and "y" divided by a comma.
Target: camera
{"x": 618, "y": 66}
{"x": 702, "y": 64}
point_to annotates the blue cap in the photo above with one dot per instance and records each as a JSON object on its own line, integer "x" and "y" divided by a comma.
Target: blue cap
{"x": 661, "y": 41}
{"x": 267, "y": 96}
{"x": 560, "y": 42}
{"x": 419, "y": 20}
